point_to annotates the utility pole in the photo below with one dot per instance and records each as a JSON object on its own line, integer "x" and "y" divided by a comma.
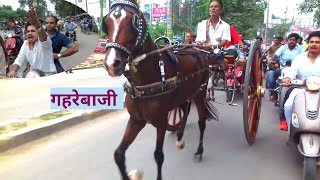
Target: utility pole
{"x": 87, "y": 6}
{"x": 169, "y": 19}
{"x": 75, "y": 7}
{"x": 267, "y": 22}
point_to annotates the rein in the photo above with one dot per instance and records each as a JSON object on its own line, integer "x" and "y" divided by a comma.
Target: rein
{"x": 142, "y": 57}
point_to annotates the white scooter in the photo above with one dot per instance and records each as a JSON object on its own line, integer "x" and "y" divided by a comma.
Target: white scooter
{"x": 305, "y": 124}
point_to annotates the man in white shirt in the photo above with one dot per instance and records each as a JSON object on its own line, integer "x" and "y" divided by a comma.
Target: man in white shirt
{"x": 213, "y": 31}
{"x": 305, "y": 65}
{"x": 36, "y": 50}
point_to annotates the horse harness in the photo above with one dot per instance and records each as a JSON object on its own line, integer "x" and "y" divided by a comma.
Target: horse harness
{"x": 164, "y": 86}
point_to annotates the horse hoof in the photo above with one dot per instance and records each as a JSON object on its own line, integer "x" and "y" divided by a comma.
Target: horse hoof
{"x": 198, "y": 157}
{"x": 135, "y": 175}
{"x": 180, "y": 144}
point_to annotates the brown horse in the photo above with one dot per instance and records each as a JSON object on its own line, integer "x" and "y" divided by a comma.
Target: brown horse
{"x": 158, "y": 81}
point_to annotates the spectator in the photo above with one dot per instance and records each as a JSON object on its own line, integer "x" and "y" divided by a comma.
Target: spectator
{"x": 36, "y": 50}
{"x": 59, "y": 40}
{"x": 189, "y": 38}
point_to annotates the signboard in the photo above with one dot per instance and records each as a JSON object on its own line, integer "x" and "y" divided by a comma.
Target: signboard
{"x": 159, "y": 13}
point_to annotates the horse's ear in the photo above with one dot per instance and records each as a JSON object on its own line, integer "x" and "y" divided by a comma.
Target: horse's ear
{"x": 104, "y": 26}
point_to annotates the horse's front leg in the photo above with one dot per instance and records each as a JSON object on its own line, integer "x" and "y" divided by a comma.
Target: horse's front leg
{"x": 186, "y": 110}
{"x": 132, "y": 130}
{"x": 158, "y": 153}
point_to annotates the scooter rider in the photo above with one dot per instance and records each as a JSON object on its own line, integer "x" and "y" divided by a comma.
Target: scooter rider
{"x": 285, "y": 53}
{"x": 304, "y": 65}
{"x": 70, "y": 26}
{"x": 36, "y": 50}
{"x": 18, "y": 33}
{"x": 274, "y": 47}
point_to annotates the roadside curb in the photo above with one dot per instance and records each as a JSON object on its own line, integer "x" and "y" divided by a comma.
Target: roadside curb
{"x": 9, "y": 142}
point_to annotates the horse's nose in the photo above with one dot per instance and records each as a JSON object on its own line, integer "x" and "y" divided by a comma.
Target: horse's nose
{"x": 117, "y": 63}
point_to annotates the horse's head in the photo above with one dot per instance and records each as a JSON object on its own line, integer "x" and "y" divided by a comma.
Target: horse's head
{"x": 126, "y": 28}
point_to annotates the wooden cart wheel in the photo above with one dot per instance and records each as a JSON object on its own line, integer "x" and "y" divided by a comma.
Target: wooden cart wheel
{"x": 175, "y": 119}
{"x": 252, "y": 93}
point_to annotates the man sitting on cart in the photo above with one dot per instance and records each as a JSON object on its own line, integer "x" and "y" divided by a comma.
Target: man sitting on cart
{"x": 213, "y": 32}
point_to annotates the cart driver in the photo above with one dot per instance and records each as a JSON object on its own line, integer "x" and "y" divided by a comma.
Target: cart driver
{"x": 214, "y": 31}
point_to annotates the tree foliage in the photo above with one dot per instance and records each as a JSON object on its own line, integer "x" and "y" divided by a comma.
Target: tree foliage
{"x": 157, "y": 30}
{"x": 21, "y": 13}
{"x": 41, "y": 7}
{"x": 245, "y": 15}
{"x": 65, "y": 8}
{"x": 6, "y": 13}
{"x": 282, "y": 29}
{"x": 308, "y": 6}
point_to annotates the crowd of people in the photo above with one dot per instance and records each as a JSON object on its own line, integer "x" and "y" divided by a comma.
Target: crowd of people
{"x": 38, "y": 50}
{"x": 304, "y": 57}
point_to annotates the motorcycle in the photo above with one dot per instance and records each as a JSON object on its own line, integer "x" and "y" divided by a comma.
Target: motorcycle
{"x": 280, "y": 89}
{"x": 11, "y": 46}
{"x": 85, "y": 28}
{"x": 264, "y": 63}
{"x": 72, "y": 36}
{"x": 305, "y": 124}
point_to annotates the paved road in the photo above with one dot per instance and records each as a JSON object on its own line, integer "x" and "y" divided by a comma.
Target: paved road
{"x": 86, "y": 45}
{"x": 86, "y": 151}
{"x": 26, "y": 98}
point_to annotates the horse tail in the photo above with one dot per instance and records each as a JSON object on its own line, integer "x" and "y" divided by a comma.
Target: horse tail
{"x": 212, "y": 112}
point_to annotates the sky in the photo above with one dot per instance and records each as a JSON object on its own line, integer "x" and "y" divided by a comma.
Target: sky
{"x": 15, "y": 4}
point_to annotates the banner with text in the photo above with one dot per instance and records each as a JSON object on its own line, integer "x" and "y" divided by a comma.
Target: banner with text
{"x": 87, "y": 98}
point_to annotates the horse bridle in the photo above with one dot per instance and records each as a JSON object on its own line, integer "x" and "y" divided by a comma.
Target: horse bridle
{"x": 137, "y": 23}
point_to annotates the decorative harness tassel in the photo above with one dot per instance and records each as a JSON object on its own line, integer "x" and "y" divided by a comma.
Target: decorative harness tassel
{"x": 162, "y": 73}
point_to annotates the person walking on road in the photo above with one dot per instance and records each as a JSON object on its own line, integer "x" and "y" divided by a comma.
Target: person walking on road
{"x": 59, "y": 40}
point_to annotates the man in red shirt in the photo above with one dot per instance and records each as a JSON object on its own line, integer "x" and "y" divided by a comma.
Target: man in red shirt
{"x": 235, "y": 38}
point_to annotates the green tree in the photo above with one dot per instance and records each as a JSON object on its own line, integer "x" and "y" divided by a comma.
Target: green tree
{"x": 282, "y": 29}
{"x": 101, "y": 33}
{"x": 21, "y": 13}
{"x": 6, "y": 13}
{"x": 41, "y": 6}
{"x": 157, "y": 30}
{"x": 65, "y": 8}
{"x": 308, "y": 6}
{"x": 245, "y": 15}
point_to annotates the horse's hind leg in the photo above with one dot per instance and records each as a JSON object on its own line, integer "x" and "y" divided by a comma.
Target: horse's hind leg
{"x": 158, "y": 153}
{"x": 132, "y": 130}
{"x": 201, "y": 107}
{"x": 186, "y": 110}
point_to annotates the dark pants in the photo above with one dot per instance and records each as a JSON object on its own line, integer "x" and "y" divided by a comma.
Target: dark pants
{"x": 58, "y": 66}
{"x": 271, "y": 79}
{"x": 286, "y": 96}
